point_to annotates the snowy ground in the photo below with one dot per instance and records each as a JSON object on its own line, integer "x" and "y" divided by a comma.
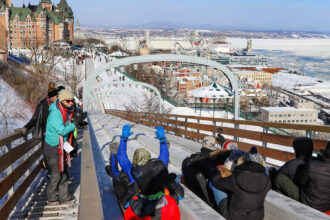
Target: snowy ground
{"x": 14, "y": 108}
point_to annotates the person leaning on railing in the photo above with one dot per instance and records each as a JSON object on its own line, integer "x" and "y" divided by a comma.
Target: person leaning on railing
{"x": 39, "y": 119}
{"x": 61, "y": 122}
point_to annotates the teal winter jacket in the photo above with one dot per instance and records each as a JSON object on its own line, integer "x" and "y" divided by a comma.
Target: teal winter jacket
{"x": 55, "y": 126}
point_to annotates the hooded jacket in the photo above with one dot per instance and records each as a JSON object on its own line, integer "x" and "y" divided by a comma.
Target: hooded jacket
{"x": 56, "y": 127}
{"x": 246, "y": 189}
{"x": 164, "y": 208}
{"x": 39, "y": 119}
{"x": 316, "y": 190}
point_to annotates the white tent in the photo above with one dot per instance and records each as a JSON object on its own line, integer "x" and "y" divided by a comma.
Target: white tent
{"x": 118, "y": 54}
{"x": 213, "y": 91}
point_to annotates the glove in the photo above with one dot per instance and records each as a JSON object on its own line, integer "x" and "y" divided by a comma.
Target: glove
{"x": 23, "y": 130}
{"x": 78, "y": 116}
{"x": 126, "y": 131}
{"x": 160, "y": 133}
{"x": 113, "y": 147}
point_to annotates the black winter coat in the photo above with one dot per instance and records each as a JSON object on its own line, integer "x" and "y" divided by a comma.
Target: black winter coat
{"x": 316, "y": 190}
{"x": 290, "y": 168}
{"x": 39, "y": 119}
{"x": 247, "y": 188}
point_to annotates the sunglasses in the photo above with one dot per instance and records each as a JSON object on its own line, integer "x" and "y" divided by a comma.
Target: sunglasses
{"x": 69, "y": 101}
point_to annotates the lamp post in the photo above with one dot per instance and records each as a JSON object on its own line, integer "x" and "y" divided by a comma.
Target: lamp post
{"x": 213, "y": 106}
{"x": 250, "y": 103}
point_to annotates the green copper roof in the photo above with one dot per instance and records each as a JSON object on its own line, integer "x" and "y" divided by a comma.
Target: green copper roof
{"x": 65, "y": 9}
{"x": 46, "y": 1}
{"x": 54, "y": 18}
{"x": 22, "y": 13}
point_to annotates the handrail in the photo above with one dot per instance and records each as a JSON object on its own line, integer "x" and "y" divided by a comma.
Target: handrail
{"x": 90, "y": 205}
{"x": 245, "y": 122}
{"x": 179, "y": 127}
{"x": 7, "y": 161}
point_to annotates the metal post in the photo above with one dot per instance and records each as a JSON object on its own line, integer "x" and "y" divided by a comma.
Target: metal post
{"x": 215, "y": 124}
{"x": 9, "y": 170}
{"x": 309, "y": 134}
{"x": 213, "y": 106}
{"x": 265, "y": 130}
{"x": 236, "y": 105}
{"x": 176, "y": 126}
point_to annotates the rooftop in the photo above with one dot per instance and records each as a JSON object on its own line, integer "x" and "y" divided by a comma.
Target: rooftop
{"x": 286, "y": 109}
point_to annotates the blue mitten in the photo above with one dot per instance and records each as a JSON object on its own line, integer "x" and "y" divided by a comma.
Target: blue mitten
{"x": 160, "y": 132}
{"x": 126, "y": 131}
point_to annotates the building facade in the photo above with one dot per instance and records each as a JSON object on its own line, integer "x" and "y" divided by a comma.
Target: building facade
{"x": 264, "y": 78}
{"x": 289, "y": 115}
{"x": 40, "y": 24}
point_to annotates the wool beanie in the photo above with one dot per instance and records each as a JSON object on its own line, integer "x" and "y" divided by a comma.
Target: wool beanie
{"x": 209, "y": 143}
{"x": 52, "y": 93}
{"x": 140, "y": 157}
{"x": 65, "y": 95}
{"x": 154, "y": 176}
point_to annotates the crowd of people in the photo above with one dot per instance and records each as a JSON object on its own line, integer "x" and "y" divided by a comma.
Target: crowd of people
{"x": 55, "y": 122}
{"x": 232, "y": 181}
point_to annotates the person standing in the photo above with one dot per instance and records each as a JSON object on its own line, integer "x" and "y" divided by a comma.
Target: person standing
{"x": 61, "y": 123}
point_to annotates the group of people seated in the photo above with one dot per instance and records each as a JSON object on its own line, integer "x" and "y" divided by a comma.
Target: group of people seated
{"x": 144, "y": 186}
{"x": 232, "y": 181}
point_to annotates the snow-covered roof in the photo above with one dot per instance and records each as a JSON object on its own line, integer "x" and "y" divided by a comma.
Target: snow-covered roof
{"x": 118, "y": 54}
{"x": 286, "y": 109}
{"x": 212, "y": 91}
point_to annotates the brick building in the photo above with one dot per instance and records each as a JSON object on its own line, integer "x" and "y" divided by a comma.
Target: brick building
{"x": 43, "y": 24}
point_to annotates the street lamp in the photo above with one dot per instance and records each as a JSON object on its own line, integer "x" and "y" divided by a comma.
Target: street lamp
{"x": 250, "y": 103}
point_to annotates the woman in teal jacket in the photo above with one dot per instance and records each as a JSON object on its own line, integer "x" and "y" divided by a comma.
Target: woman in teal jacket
{"x": 58, "y": 131}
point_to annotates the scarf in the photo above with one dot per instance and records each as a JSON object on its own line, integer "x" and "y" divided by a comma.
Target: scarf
{"x": 64, "y": 114}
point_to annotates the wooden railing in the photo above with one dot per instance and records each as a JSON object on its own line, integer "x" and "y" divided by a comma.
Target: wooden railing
{"x": 191, "y": 127}
{"x": 29, "y": 154}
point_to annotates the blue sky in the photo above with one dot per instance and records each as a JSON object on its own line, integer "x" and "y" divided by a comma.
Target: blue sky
{"x": 308, "y": 15}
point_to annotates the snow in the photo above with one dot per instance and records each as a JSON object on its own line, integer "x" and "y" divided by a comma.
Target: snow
{"x": 18, "y": 112}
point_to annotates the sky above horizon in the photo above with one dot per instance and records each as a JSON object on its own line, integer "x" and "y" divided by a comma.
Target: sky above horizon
{"x": 303, "y": 15}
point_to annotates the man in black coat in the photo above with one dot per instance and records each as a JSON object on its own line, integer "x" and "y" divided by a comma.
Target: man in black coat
{"x": 39, "y": 119}
{"x": 315, "y": 181}
{"x": 242, "y": 194}
{"x": 286, "y": 180}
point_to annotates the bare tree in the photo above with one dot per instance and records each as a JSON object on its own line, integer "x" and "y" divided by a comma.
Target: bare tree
{"x": 73, "y": 78}
{"x": 149, "y": 103}
{"x": 43, "y": 61}
{"x": 8, "y": 108}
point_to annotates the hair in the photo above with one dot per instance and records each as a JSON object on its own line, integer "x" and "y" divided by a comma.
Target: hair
{"x": 51, "y": 86}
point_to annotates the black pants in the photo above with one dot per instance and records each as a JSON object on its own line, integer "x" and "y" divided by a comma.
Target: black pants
{"x": 58, "y": 187}
{"x": 286, "y": 186}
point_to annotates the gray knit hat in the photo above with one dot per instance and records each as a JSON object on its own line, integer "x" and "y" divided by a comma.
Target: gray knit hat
{"x": 141, "y": 157}
{"x": 209, "y": 142}
{"x": 65, "y": 95}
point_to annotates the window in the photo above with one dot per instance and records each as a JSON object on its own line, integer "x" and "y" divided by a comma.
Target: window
{"x": 288, "y": 121}
{"x": 280, "y": 121}
{"x": 302, "y": 115}
{"x": 314, "y": 120}
{"x": 275, "y": 121}
{"x": 284, "y": 121}
{"x": 297, "y": 121}
{"x": 271, "y": 116}
{"x": 289, "y": 115}
{"x": 293, "y": 115}
{"x": 280, "y": 115}
{"x": 306, "y": 121}
{"x": 301, "y": 121}
{"x": 284, "y": 115}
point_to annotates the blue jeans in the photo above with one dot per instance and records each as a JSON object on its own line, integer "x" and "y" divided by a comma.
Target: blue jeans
{"x": 218, "y": 194}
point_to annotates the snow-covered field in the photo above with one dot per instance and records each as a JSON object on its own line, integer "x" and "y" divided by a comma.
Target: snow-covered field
{"x": 13, "y": 108}
{"x": 311, "y": 56}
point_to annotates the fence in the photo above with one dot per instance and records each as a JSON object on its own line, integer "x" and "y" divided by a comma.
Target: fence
{"x": 192, "y": 129}
{"x": 29, "y": 152}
